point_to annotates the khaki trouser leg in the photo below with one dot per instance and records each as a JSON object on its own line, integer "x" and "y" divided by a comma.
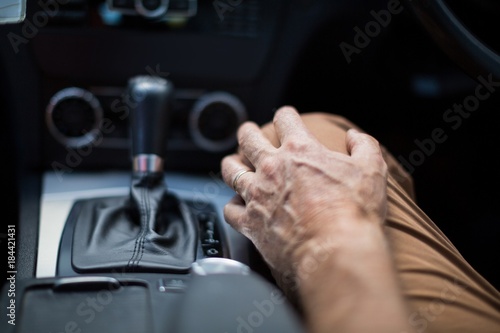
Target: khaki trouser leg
{"x": 444, "y": 293}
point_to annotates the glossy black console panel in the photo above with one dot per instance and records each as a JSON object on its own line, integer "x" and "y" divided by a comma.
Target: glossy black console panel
{"x": 153, "y": 303}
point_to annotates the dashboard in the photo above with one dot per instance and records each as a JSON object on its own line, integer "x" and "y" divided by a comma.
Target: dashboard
{"x": 85, "y": 54}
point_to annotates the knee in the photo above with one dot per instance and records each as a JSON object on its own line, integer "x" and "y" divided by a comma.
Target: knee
{"x": 328, "y": 128}
{"x": 312, "y": 118}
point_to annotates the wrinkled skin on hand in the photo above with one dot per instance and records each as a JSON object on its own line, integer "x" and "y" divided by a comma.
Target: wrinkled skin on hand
{"x": 301, "y": 192}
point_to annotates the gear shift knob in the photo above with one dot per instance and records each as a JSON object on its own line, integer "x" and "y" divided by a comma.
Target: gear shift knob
{"x": 150, "y": 102}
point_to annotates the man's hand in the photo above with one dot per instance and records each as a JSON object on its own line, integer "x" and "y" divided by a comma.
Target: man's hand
{"x": 301, "y": 193}
{"x": 316, "y": 217}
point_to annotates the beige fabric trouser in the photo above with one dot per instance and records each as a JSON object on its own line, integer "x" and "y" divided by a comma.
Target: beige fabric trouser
{"x": 444, "y": 293}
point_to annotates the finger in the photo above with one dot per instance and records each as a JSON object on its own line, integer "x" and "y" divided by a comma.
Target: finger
{"x": 231, "y": 166}
{"x": 363, "y": 147}
{"x": 234, "y": 211}
{"x": 270, "y": 133}
{"x": 289, "y": 125}
{"x": 244, "y": 159}
{"x": 253, "y": 144}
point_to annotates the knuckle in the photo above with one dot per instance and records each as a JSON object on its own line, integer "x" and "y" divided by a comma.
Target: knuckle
{"x": 379, "y": 163}
{"x": 250, "y": 193}
{"x": 295, "y": 145}
{"x": 260, "y": 155}
{"x": 268, "y": 166}
{"x": 383, "y": 165}
{"x": 372, "y": 140}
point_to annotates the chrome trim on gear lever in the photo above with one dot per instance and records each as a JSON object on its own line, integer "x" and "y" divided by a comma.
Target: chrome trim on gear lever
{"x": 147, "y": 163}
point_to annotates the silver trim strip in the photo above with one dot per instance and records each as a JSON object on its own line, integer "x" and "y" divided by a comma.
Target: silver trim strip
{"x": 147, "y": 163}
{"x": 213, "y": 266}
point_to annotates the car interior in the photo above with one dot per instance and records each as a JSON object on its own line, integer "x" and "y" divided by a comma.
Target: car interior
{"x": 116, "y": 115}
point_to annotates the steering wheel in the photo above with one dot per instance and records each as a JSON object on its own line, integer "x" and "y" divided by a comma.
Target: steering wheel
{"x": 456, "y": 39}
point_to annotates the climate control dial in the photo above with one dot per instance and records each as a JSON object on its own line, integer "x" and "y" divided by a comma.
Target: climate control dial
{"x": 214, "y": 120}
{"x": 73, "y": 117}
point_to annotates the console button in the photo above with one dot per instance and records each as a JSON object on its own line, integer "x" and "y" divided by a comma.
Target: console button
{"x": 212, "y": 252}
{"x": 210, "y": 239}
{"x": 172, "y": 285}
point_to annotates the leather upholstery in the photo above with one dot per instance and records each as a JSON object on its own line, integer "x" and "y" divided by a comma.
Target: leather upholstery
{"x": 150, "y": 230}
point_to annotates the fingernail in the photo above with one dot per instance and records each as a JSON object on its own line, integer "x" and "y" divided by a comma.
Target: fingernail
{"x": 353, "y": 130}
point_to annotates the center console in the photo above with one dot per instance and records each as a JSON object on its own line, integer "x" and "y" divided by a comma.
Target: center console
{"x": 144, "y": 250}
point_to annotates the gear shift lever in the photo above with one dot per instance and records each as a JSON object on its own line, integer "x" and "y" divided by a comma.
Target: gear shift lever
{"x": 151, "y": 98}
{"x": 150, "y": 230}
